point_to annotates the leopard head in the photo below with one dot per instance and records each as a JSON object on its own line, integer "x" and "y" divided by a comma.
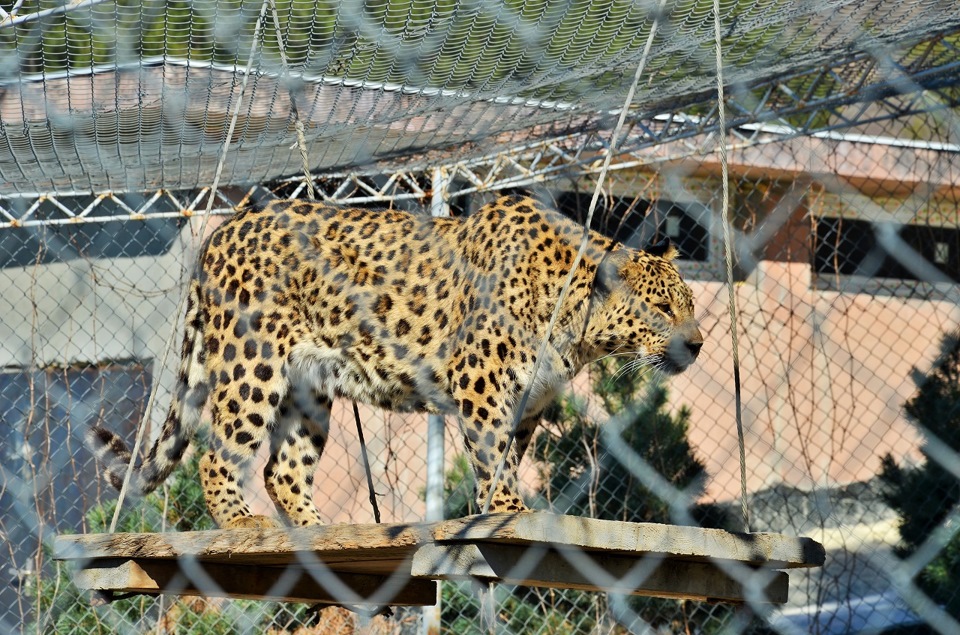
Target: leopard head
{"x": 643, "y": 310}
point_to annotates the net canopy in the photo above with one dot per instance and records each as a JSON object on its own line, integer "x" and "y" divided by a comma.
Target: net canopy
{"x": 130, "y": 96}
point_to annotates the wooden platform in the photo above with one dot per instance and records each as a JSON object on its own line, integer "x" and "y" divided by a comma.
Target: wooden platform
{"x": 398, "y": 564}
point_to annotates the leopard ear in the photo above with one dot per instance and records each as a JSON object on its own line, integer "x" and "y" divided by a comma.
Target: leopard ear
{"x": 662, "y": 248}
{"x": 608, "y": 272}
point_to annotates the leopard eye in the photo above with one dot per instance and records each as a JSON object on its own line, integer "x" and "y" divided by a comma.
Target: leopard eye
{"x": 665, "y": 309}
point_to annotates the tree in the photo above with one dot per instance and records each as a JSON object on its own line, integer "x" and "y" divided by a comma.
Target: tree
{"x": 581, "y": 473}
{"x": 925, "y": 495}
{"x": 582, "y": 476}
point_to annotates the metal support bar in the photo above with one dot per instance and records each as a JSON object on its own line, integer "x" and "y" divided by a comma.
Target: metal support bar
{"x": 435, "y": 426}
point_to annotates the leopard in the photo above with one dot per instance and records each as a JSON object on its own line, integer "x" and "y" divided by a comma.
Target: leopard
{"x": 297, "y": 303}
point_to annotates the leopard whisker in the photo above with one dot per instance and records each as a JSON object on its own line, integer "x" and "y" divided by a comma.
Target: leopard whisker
{"x": 615, "y": 353}
{"x": 639, "y": 362}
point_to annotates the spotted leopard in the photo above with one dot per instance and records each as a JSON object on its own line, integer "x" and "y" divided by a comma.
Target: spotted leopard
{"x": 299, "y": 303}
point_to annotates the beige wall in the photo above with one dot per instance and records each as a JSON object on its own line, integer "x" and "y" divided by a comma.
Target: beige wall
{"x": 824, "y": 377}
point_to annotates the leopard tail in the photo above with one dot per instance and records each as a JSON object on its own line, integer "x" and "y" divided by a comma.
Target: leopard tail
{"x": 183, "y": 416}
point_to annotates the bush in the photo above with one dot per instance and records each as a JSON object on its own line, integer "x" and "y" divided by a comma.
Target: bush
{"x": 581, "y": 476}
{"x": 581, "y": 473}
{"x": 924, "y": 495}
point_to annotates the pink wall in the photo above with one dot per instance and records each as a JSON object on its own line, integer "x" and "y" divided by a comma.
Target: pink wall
{"x": 824, "y": 376}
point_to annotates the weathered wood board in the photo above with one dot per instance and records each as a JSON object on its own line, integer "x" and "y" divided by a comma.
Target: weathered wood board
{"x": 399, "y": 563}
{"x": 575, "y": 569}
{"x": 260, "y": 582}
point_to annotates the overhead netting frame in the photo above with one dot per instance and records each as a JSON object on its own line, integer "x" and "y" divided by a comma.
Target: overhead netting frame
{"x": 132, "y": 98}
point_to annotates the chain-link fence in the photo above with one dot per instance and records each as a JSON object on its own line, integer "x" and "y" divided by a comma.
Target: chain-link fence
{"x": 842, "y": 164}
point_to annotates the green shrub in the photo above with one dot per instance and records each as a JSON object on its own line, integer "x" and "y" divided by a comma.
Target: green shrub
{"x": 923, "y": 496}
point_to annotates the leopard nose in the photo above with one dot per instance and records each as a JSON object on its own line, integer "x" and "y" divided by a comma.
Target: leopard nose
{"x": 683, "y": 350}
{"x": 694, "y": 341}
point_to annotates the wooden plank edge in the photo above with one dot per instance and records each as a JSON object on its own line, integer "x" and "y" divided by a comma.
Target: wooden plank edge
{"x": 370, "y": 541}
{"x": 251, "y": 544}
{"x": 671, "y": 541}
{"x": 285, "y": 584}
{"x": 639, "y": 575}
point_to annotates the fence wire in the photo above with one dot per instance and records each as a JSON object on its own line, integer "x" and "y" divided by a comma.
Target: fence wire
{"x": 844, "y": 159}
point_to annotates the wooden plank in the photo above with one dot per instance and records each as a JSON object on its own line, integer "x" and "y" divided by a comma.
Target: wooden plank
{"x": 358, "y": 543}
{"x": 540, "y": 567}
{"x": 331, "y": 543}
{"x": 676, "y": 542}
{"x": 249, "y": 561}
{"x": 288, "y": 584}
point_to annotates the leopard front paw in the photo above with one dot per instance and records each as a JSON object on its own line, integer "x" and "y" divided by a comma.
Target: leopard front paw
{"x": 507, "y": 505}
{"x": 252, "y": 522}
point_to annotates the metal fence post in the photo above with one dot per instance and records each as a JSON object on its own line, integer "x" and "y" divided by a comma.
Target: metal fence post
{"x": 435, "y": 428}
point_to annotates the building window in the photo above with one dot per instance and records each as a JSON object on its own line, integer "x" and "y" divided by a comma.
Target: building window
{"x": 636, "y": 222}
{"x": 851, "y": 247}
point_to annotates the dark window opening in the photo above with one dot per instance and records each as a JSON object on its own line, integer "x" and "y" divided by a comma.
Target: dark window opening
{"x": 851, "y": 247}
{"x": 637, "y": 223}
{"x": 64, "y": 241}
{"x": 46, "y": 412}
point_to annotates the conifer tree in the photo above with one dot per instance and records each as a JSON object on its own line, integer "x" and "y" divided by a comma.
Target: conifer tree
{"x": 581, "y": 469}
{"x": 926, "y": 495}
{"x": 583, "y": 476}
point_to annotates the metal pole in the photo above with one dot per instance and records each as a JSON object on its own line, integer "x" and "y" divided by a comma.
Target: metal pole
{"x": 435, "y": 428}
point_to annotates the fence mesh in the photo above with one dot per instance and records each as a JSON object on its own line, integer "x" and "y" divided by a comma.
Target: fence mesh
{"x": 843, "y": 170}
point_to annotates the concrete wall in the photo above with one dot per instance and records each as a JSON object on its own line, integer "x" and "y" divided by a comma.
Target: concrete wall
{"x": 824, "y": 377}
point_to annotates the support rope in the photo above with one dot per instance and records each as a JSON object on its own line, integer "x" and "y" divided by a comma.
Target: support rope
{"x": 294, "y": 110}
{"x": 614, "y": 138}
{"x": 181, "y": 305}
{"x": 728, "y": 253}
{"x": 366, "y": 464}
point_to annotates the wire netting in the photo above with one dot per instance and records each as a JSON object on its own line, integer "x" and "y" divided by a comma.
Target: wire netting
{"x": 132, "y": 95}
{"x": 843, "y": 150}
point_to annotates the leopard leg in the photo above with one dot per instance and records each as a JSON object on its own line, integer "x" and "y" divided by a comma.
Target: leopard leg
{"x": 523, "y": 436}
{"x": 486, "y": 453}
{"x": 244, "y": 409}
{"x": 486, "y": 429}
{"x": 486, "y": 395}
{"x": 296, "y": 445}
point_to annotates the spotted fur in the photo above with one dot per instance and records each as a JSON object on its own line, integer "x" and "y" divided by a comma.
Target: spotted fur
{"x": 300, "y": 303}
